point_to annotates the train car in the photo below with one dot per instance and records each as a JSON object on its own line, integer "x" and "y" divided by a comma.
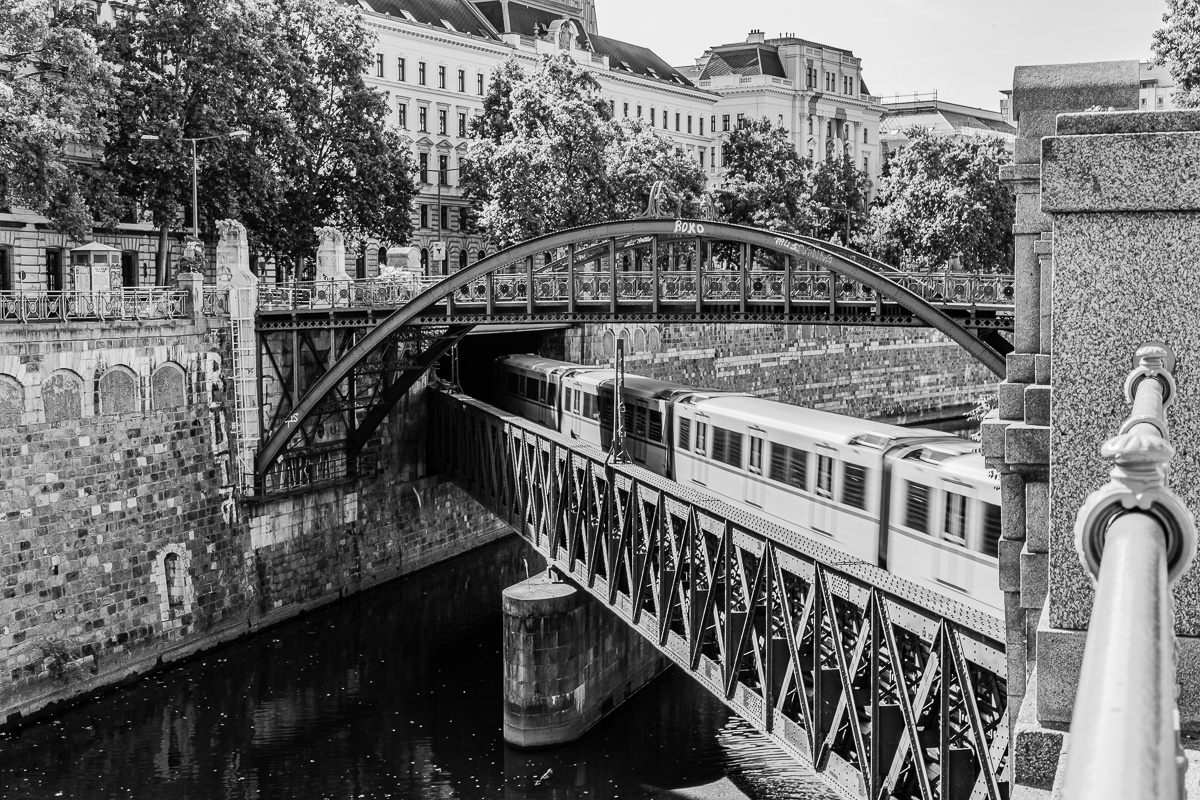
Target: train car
{"x": 587, "y": 414}
{"x": 842, "y": 479}
{"x": 528, "y": 385}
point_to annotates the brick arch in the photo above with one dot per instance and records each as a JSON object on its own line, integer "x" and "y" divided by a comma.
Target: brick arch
{"x": 117, "y": 391}
{"x": 168, "y": 387}
{"x": 12, "y": 402}
{"x": 62, "y": 396}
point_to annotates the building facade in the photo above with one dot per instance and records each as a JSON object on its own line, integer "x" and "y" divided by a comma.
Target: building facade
{"x": 943, "y": 119}
{"x": 813, "y": 90}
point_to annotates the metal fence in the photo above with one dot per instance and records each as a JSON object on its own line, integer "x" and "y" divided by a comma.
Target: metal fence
{"x": 158, "y": 302}
{"x": 1136, "y": 538}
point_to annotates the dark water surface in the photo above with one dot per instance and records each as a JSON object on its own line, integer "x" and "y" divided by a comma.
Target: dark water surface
{"x": 392, "y": 694}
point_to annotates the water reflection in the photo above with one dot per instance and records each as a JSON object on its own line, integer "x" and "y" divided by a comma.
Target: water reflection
{"x": 392, "y": 694}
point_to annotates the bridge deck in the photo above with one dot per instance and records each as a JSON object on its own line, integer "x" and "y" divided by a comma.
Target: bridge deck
{"x": 881, "y": 685}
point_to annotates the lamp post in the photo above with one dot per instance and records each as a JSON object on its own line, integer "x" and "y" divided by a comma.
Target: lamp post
{"x": 238, "y": 134}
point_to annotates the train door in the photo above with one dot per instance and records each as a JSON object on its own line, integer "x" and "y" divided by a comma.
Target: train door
{"x": 700, "y": 452}
{"x": 635, "y": 430}
{"x": 822, "y": 507}
{"x": 755, "y": 485}
{"x": 950, "y": 559}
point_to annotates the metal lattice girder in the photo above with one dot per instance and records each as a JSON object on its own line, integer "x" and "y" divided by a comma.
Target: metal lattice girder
{"x": 886, "y": 688}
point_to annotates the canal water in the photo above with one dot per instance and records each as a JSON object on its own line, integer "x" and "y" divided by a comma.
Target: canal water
{"x": 392, "y": 694}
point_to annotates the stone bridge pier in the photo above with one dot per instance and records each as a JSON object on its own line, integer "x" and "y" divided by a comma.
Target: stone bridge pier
{"x": 1107, "y": 232}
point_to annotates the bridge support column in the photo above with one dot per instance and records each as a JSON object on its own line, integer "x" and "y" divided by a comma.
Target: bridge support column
{"x": 567, "y": 662}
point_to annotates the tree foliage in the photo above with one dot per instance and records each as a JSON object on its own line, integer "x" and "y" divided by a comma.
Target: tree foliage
{"x": 547, "y": 155}
{"x": 54, "y": 91}
{"x": 1177, "y": 44}
{"x": 290, "y": 72}
{"x": 943, "y": 198}
{"x": 766, "y": 184}
{"x": 839, "y": 192}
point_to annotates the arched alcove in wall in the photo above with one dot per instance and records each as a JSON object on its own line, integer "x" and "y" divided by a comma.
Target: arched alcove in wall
{"x": 12, "y": 402}
{"x": 117, "y": 391}
{"x": 62, "y": 396}
{"x": 167, "y": 387}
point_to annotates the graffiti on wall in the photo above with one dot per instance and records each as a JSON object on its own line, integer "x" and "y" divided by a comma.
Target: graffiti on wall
{"x": 219, "y": 435}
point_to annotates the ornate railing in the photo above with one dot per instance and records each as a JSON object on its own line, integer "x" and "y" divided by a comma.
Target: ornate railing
{"x": 886, "y": 688}
{"x": 107, "y": 304}
{"x": 674, "y": 286}
{"x": 1136, "y": 538}
{"x": 215, "y": 302}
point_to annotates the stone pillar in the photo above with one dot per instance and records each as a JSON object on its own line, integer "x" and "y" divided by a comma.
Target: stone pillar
{"x": 193, "y": 284}
{"x": 568, "y": 661}
{"x": 233, "y": 269}
{"x": 331, "y": 255}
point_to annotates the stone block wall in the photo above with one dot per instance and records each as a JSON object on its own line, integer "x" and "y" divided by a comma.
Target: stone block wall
{"x": 902, "y": 374}
{"x": 123, "y": 543}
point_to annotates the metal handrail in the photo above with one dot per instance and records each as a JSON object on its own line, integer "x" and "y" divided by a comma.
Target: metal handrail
{"x": 1136, "y": 538}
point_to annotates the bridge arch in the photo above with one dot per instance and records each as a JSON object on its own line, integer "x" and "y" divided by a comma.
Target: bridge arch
{"x": 837, "y": 259}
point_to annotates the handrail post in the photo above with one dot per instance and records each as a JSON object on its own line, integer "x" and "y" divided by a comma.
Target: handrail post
{"x": 1136, "y": 538}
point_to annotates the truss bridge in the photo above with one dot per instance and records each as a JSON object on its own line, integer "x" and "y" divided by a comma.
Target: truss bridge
{"x": 886, "y": 688}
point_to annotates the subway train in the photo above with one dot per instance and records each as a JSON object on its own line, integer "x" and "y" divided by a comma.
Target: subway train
{"x": 919, "y": 503}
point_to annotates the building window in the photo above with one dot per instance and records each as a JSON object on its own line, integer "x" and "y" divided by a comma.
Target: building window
{"x": 400, "y": 69}
{"x": 864, "y": 134}
{"x": 442, "y": 113}
{"x": 712, "y": 157}
{"x": 810, "y": 123}
{"x": 445, "y": 218}
{"x": 713, "y": 123}
{"x": 379, "y": 65}
{"x": 702, "y": 126}
{"x": 421, "y": 73}
{"x": 741, "y": 121}
{"x": 677, "y": 122}
{"x": 54, "y": 270}
{"x": 479, "y": 84}
{"x": 725, "y": 122}
{"x": 462, "y": 123}
{"x": 462, "y": 258}
{"x": 464, "y": 219}
{"x": 441, "y": 77}
{"x": 653, "y": 115}
{"x": 444, "y": 171}
{"x": 829, "y": 129}
{"x": 701, "y": 158}
{"x": 462, "y": 81}
{"x": 423, "y": 163}
{"x": 689, "y": 123}
{"x": 639, "y": 111}
{"x": 625, "y": 108}
{"x": 424, "y": 261}
{"x": 867, "y": 164}
{"x": 403, "y": 118}
{"x": 423, "y": 119}
{"x": 664, "y": 119}
{"x": 424, "y": 216}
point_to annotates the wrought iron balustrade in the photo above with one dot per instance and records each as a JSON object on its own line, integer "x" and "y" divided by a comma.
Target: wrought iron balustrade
{"x": 148, "y": 303}
{"x": 888, "y": 689}
{"x": 215, "y": 302}
{"x": 1136, "y": 538}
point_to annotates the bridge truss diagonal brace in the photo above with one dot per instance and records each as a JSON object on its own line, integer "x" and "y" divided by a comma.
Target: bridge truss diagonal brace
{"x": 885, "y": 688}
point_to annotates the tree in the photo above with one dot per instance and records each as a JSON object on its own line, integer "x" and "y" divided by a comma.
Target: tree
{"x": 839, "y": 199}
{"x": 54, "y": 91}
{"x": 943, "y": 198}
{"x": 547, "y": 155}
{"x": 1177, "y": 44}
{"x": 291, "y": 73}
{"x": 766, "y": 183}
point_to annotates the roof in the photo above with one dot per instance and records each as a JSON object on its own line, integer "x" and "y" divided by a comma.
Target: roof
{"x": 530, "y": 21}
{"x": 636, "y": 59}
{"x": 536, "y": 363}
{"x": 749, "y": 59}
{"x": 634, "y": 384}
{"x": 451, "y": 15}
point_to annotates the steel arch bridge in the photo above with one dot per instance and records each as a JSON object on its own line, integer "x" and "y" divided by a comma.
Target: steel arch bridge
{"x": 334, "y": 357}
{"x": 886, "y": 688}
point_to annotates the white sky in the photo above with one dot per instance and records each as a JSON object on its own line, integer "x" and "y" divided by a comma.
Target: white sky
{"x": 965, "y": 49}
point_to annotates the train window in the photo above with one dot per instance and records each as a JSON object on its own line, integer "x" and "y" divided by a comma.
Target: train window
{"x": 756, "y": 450}
{"x": 991, "y": 529}
{"x": 789, "y": 465}
{"x": 566, "y": 398}
{"x": 701, "y": 437}
{"x": 514, "y": 383}
{"x": 551, "y": 393}
{"x": 655, "y": 431}
{"x": 917, "y": 508}
{"x": 589, "y": 404}
{"x": 727, "y": 447}
{"x": 854, "y": 486}
{"x": 639, "y": 422}
{"x": 824, "y": 476}
{"x": 954, "y": 523}
{"x": 531, "y": 388}
{"x": 578, "y": 400}
{"x": 685, "y": 433}
{"x": 628, "y": 411}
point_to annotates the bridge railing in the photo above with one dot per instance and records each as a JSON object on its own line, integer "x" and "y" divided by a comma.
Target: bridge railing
{"x": 805, "y": 286}
{"x": 148, "y": 303}
{"x": 1136, "y": 538}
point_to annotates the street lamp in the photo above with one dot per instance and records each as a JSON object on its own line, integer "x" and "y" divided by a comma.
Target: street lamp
{"x": 238, "y": 134}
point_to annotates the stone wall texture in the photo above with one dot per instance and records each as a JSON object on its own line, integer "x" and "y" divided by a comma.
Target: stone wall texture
{"x": 877, "y": 373}
{"x": 121, "y": 544}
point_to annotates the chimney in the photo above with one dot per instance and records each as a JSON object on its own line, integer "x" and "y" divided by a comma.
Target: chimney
{"x": 756, "y": 37}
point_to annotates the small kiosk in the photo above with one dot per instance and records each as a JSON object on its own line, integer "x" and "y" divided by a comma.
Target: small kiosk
{"x": 96, "y": 267}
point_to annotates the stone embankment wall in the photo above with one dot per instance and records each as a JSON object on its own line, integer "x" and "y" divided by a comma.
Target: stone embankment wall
{"x": 903, "y": 374}
{"x": 122, "y": 544}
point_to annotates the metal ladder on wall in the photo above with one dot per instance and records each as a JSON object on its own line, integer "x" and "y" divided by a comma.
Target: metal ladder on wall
{"x": 244, "y": 374}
